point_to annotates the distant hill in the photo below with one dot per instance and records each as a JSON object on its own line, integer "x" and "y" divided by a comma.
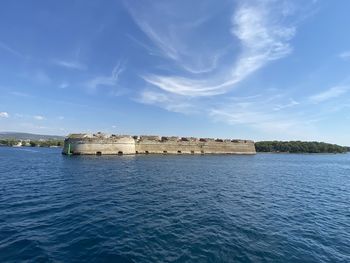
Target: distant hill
{"x": 28, "y": 136}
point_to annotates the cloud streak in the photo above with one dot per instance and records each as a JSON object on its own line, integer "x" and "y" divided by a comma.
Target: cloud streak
{"x": 70, "y": 64}
{"x": 106, "y": 81}
{"x": 21, "y": 94}
{"x": 331, "y": 93}
{"x": 262, "y": 37}
{"x": 261, "y": 34}
{"x": 260, "y": 114}
{"x": 9, "y": 49}
{"x": 291, "y": 103}
{"x": 169, "y": 102}
{"x": 345, "y": 55}
{"x": 171, "y": 39}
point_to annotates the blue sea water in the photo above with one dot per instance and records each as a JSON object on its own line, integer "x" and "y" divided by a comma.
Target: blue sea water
{"x": 155, "y": 208}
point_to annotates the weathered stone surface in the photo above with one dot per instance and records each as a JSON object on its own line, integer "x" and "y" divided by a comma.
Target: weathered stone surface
{"x": 123, "y": 144}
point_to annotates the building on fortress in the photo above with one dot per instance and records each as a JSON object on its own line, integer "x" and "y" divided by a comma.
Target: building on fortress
{"x": 101, "y": 144}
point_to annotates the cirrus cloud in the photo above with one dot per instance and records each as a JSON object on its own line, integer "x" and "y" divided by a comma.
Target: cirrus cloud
{"x": 331, "y": 93}
{"x": 257, "y": 26}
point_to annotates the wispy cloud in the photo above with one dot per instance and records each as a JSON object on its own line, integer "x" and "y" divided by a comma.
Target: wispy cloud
{"x": 261, "y": 32}
{"x": 4, "y": 114}
{"x": 41, "y": 77}
{"x": 173, "y": 39}
{"x": 35, "y": 127}
{"x": 263, "y": 38}
{"x": 70, "y": 64}
{"x": 106, "y": 81}
{"x": 39, "y": 117}
{"x": 259, "y": 114}
{"x": 345, "y": 55}
{"x": 291, "y": 103}
{"x": 258, "y": 27}
{"x": 167, "y": 101}
{"x": 38, "y": 76}
{"x": 331, "y": 93}
{"x": 21, "y": 94}
{"x": 9, "y": 49}
{"x": 63, "y": 85}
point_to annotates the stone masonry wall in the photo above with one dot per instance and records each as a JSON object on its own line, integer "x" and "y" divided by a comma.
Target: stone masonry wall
{"x": 173, "y": 145}
{"x": 103, "y": 144}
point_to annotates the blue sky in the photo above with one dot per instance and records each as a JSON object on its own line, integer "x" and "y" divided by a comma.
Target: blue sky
{"x": 255, "y": 69}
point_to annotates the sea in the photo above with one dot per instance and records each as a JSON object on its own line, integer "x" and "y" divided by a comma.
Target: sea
{"x": 173, "y": 208}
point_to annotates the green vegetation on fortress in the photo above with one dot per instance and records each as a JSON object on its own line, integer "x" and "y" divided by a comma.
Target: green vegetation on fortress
{"x": 299, "y": 147}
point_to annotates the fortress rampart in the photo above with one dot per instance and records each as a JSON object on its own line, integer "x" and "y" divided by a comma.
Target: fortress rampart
{"x": 100, "y": 144}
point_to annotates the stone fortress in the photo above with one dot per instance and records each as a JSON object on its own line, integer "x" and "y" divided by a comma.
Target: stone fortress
{"x": 101, "y": 144}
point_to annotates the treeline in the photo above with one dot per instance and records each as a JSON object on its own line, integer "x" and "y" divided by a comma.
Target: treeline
{"x": 299, "y": 147}
{"x": 31, "y": 143}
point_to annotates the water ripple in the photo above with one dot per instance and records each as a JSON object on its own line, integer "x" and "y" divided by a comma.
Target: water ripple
{"x": 263, "y": 208}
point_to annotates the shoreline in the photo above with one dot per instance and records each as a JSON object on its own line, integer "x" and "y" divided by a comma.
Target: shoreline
{"x": 301, "y": 153}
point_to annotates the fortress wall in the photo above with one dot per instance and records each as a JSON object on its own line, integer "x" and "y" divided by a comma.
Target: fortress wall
{"x": 194, "y": 146}
{"x": 170, "y": 147}
{"x": 115, "y": 146}
{"x": 103, "y": 144}
{"x": 241, "y": 147}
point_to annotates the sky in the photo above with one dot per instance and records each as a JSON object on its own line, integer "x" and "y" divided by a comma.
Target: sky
{"x": 249, "y": 69}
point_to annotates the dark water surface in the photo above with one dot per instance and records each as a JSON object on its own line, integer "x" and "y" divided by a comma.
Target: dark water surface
{"x": 263, "y": 208}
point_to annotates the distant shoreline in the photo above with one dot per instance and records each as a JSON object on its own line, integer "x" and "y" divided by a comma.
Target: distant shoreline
{"x": 14, "y": 146}
{"x": 298, "y": 147}
{"x": 300, "y": 153}
{"x": 31, "y": 143}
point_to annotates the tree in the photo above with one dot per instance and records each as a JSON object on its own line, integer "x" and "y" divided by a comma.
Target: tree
{"x": 299, "y": 147}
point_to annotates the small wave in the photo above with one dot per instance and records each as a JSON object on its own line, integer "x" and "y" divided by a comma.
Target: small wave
{"x": 208, "y": 209}
{"x": 27, "y": 150}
